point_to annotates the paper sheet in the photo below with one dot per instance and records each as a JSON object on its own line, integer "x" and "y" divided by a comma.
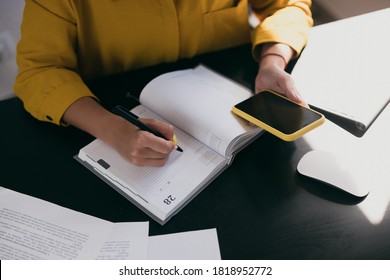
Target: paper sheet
{"x": 193, "y": 245}
{"x": 31, "y": 228}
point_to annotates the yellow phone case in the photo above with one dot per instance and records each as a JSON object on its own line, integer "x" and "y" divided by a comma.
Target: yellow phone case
{"x": 286, "y": 137}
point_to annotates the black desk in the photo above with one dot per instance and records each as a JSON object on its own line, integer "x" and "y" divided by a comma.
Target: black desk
{"x": 261, "y": 207}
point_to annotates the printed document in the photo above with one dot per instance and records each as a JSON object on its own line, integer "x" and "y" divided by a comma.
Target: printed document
{"x": 34, "y": 229}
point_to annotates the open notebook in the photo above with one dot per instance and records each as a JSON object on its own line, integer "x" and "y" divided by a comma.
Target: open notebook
{"x": 198, "y": 103}
{"x": 344, "y": 69}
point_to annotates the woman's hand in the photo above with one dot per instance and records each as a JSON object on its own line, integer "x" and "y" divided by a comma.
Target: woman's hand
{"x": 138, "y": 147}
{"x": 271, "y": 74}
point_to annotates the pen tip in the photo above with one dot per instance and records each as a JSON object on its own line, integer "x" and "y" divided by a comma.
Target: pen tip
{"x": 179, "y": 149}
{"x": 174, "y": 140}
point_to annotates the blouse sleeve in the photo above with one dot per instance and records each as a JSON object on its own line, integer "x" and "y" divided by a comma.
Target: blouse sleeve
{"x": 47, "y": 81}
{"x": 281, "y": 21}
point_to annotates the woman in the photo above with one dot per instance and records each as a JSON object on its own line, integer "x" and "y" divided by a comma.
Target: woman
{"x": 65, "y": 42}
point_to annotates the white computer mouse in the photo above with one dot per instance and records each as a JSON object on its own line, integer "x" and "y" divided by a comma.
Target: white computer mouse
{"x": 327, "y": 168}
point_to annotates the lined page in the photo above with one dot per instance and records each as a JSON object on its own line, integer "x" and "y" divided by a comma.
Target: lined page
{"x": 159, "y": 189}
{"x": 199, "y": 101}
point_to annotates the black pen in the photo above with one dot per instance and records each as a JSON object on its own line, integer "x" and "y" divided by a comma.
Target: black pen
{"x": 132, "y": 118}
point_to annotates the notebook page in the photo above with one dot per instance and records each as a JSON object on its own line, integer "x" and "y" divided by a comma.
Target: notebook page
{"x": 152, "y": 186}
{"x": 199, "y": 101}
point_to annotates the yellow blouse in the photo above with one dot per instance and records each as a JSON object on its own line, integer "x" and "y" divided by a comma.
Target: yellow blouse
{"x": 64, "y": 42}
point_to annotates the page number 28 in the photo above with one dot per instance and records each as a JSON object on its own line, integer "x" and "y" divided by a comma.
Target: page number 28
{"x": 169, "y": 200}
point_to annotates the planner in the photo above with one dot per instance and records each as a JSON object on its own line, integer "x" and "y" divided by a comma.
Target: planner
{"x": 198, "y": 103}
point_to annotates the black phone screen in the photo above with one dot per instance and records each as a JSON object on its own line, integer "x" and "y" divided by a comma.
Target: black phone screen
{"x": 278, "y": 112}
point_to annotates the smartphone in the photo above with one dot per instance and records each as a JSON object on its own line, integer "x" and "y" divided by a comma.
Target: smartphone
{"x": 278, "y": 115}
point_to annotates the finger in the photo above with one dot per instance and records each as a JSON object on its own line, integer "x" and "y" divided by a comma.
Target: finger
{"x": 288, "y": 87}
{"x": 164, "y": 128}
{"x": 142, "y": 154}
{"x": 155, "y": 143}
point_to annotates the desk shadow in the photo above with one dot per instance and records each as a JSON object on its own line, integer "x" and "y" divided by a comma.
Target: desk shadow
{"x": 270, "y": 178}
{"x": 327, "y": 191}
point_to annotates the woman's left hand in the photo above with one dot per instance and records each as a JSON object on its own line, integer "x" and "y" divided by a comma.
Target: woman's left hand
{"x": 271, "y": 74}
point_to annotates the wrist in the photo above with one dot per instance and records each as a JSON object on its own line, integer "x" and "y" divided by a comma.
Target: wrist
{"x": 274, "y": 59}
{"x": 88, "y": 115}
{"x": 276, "y": 53}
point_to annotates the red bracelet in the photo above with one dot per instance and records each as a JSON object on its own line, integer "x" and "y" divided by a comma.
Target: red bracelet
{"x": 275, "y": 54}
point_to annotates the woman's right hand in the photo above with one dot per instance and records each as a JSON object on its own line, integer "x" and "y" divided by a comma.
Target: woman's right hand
{"x": 139, "y": 147}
